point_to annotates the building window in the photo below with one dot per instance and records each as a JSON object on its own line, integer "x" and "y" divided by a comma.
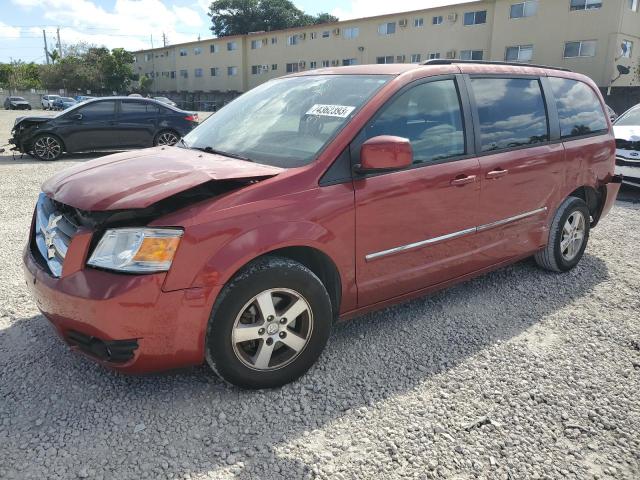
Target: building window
{"x": 519, "y": 53}
{"x": 293, "y": 39}
{"x": 418, "y": 22}
{"x": 326, "y": 34}
{"x": 184, "y": 74}
{"x": 416, "y": 57}
{"x": 438, "y": 20}
{"x": 274, "y": 66}
{"x": 213, "y": 48}
{"x": 387, "y": 59}
{"x": 293, "y": 67}
{"x": 259, "y": 69}
{"x": 583, "y": 48}
{"x": 475, "y": 18}
{"x": 633, "y": 5}
{"x": 183, "y": 52}
{"x": 256, "y": 44}
{"x": 387, "y": 28}
{"x": 325, "y": 63}
{"x": 148, "y": 57}
{"x": 585, "y": 4}
{"x": 349, "y": 61}
{"x": 527, "y": 8}
{"x": 351, "y": 32}
{"x": 401, "y": 58}
{"x": 313, "y": 65}
{"x": 626, "y": 47}
{"x": 314, "y": 35}
{"x": 471, "y": 54}
{"x": 232, "y": 71}
{"x": 232, "y": 46}
{"x": 434, "y": 56}
{"x": 215, "y": 71}
{"x": 274, "y": 40}
{"x": 198, "y": 72}
{"x": 173, "y": 74}
{"x": 197, "y": 50}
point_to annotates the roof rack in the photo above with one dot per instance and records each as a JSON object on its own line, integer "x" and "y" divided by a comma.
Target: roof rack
{"x": 442, "y": 61}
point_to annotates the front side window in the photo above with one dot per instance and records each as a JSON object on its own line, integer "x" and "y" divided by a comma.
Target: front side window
{"x": 429, "y": 115}
{"x": 585, "y": 4}
{"x": 97, "y": 110}
{"x": 475, "y": 18}
{"x": 471, "y": 54}
{"x": 524, "y": 9}
{"x": 519, "y": 53}
{"x": 511, "y": 112}
{"x": 286, "y": 122}
{"x": 582, "y": 48}
{"x": 387, "y": 28}
{"x": 579, "y": 108}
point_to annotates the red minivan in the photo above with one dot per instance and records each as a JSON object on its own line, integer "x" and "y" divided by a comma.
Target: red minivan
{"x": 314, "y": 198}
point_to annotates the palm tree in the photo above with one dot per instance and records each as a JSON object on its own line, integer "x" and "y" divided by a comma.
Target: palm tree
{"x": 54, "y": 55}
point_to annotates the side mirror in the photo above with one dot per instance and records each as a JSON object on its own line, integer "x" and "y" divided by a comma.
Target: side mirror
{"x": 384, "y": 153}
{"x": 76, "y": 116}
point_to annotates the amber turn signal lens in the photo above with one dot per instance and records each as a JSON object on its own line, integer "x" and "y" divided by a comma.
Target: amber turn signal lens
{"x": 157, "y": 249}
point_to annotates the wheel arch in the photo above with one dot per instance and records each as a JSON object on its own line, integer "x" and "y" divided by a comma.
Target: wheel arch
{"x": 594, "y": 198}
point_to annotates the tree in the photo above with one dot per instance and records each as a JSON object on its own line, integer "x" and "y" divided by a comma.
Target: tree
{"x": 54, "y": 56}
{"x": 239, "y": 17}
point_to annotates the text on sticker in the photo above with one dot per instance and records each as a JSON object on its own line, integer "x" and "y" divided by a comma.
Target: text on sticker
{"x": 341, "y": 111}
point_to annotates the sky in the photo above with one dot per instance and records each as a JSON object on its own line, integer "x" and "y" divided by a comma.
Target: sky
{"x": 134, "y": 24}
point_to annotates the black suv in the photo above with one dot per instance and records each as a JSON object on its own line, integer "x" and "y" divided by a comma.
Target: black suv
{"x": 110, "y": 123}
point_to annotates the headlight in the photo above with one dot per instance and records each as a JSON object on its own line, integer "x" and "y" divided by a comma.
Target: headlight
{"x": 136, "y": 250}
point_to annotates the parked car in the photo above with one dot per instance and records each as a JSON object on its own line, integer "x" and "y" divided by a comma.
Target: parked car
{"x": 62, "y": 103}
{"x": 166, "y": 100}
{"x": 47, "y": 101}
{"x": 313, "y": 198}
{"x": 109, "y": 123}
{"x": 137, "y": 95}
{"x": 16, "y": 103}
{"x": 627, "y": 133}
{"x": 82, "y": 98}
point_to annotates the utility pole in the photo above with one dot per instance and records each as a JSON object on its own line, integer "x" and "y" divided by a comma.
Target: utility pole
{"x": 46, "y": 49}
{"x": 164, "y": 39}
{"x": 59, "y": 42}
{"x": 153, "y": 66}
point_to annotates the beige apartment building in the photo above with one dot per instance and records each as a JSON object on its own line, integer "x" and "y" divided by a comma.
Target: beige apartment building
{"x": 593, "y": 37}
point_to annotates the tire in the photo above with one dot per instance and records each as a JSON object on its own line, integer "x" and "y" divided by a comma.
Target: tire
{"x": 572, "y": 220}
{"x": 166, "y": 137}
{"x": 47, "y": 147}
{"x": 254, "y": 362}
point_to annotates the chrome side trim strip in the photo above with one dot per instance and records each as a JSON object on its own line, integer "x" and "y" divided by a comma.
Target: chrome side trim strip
{"x": 450, "y": 236}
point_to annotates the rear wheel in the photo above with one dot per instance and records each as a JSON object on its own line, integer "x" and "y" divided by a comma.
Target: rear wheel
{"x": 166, "y": 137}
{"x": 269, "y": 324}
{"x": 568, "y": 237}
{"x": 47, "y": 147}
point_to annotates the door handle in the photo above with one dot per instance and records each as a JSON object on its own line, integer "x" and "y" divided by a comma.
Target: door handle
{"x": 497, "y": 173}
{"x": 461, "y": 180}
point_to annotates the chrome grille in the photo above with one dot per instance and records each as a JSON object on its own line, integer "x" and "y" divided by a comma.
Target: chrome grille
{"x": 53, "y": 233}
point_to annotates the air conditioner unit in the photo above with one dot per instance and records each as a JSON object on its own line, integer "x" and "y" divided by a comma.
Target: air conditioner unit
{"x": 403, "y": 23}
{"x": 452, "y": 17}
{"x": 451, "y": 54}
{"x": 336, "y": 31}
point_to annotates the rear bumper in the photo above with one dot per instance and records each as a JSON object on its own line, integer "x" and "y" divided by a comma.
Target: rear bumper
{"x": 125, "y": 322}
{"x": 612, "y": 189}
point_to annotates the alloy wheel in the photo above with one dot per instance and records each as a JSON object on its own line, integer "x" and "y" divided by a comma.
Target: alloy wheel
{"x": 572, "y": 235}
{"x": 167, "y": 138}
{"x": 47, "y": 148}
{"x": 272, "y": 329}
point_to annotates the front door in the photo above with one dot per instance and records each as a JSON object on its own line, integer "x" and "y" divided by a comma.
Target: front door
{"x": 415, "y": 227}
{"x": 93, "y": 129}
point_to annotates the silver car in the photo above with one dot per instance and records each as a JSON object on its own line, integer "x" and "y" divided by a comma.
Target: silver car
{"x": 627, "y": 133}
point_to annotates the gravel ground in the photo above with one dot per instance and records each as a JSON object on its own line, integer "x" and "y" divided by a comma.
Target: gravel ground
{"x": 519, "y": 374}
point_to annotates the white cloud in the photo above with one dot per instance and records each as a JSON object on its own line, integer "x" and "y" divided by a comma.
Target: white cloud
{"x": 188, "y": 16}
{"x": 9, "y": 32}
{"x": 369, "y": 8}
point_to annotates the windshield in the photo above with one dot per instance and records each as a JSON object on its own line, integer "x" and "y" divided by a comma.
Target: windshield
{"x": 67, "y": 99}
{"x": 631, "y": 118}
{"x": 17, "y": 98}
{"x": 286, "y": 123}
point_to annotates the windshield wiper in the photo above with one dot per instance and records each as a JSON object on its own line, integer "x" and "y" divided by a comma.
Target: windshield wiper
{"x": 220, "y": 152}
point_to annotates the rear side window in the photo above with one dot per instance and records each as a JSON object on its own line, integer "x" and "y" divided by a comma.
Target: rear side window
{"x": 429, "y": 115}
{"x": 511, "y": 112}
{"x": 138, "y": 108}
{"x": 579, "y": 109}
{"x": 97, "y": 110}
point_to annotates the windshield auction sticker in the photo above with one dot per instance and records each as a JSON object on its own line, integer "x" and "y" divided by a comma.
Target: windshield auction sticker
{"x": 341, "y": 111}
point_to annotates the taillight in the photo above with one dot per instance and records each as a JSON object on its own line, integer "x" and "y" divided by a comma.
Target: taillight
{"x": 191, "y": 118}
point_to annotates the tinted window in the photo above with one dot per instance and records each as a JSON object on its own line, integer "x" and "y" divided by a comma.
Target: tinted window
{"x": 578, "y": 106}
{"x": 631, "y": 118}
{"x": 97, "y": 110}
{"x": 511, "y": 112}
{"x": 137, "y": 108}
{"x": 429, "y": 115}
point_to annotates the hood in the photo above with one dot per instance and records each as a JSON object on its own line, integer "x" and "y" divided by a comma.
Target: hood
{"x": 627, "y": 132}
{"x": 19, "y": 102}
{"x": 138, "y": 179}
{"x": 33, "y": 119}
{"x": 627, "y": 142}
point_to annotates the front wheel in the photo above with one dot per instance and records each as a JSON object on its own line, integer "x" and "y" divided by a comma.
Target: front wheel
{"x": 269, "y": 324}
{"x": 166, "y": 137}
{"x": 568, "y": 237}
{"x": 47, "y": 147}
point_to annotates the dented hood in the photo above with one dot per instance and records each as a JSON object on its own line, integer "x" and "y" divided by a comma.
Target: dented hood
{"x": 141, "y": 178}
